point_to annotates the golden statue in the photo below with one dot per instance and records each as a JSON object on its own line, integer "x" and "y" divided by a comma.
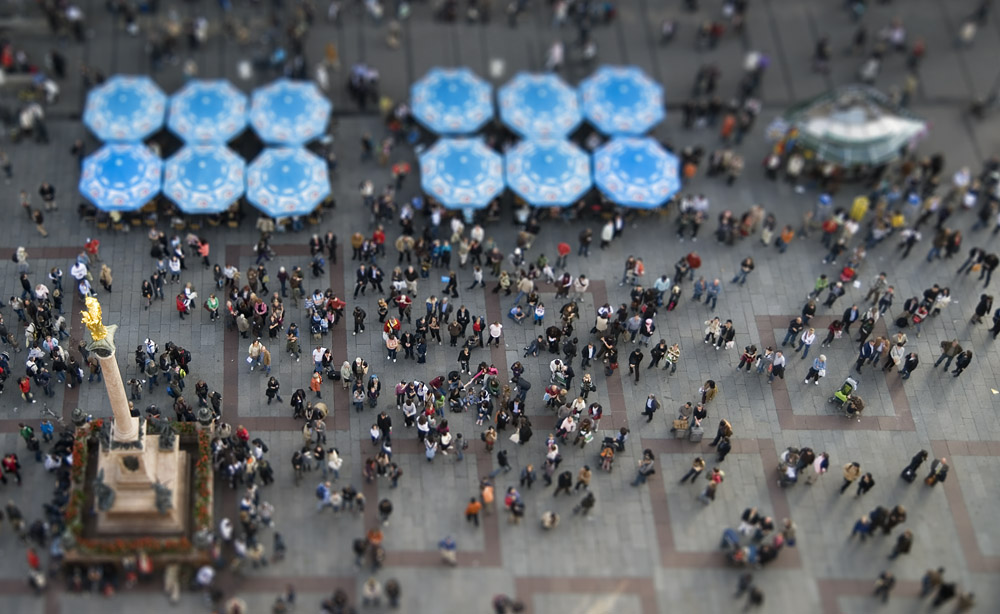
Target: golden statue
{"x": 92, "y": 319}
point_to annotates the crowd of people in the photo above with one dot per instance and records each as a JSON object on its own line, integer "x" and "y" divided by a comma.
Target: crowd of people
{"x": 893, "y": 207}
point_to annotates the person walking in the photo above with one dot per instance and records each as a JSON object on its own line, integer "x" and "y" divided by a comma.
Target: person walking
{"x": 646, "y": 468}
{"x": 909, "y": 472}
{"x": 949, "y": 350}
{"x": 746, "y": 266}
{"x": 939, "y": 472}
{"x": 724, "y": 447}
{"x": 884, "y": 584}
{"x": 714, "y": 479}
{"x": 909, "y": 364}
{"x": 634, "y": 360}
{"x": 586, "y": 504}
{"x": 817, "y": 370}
{"x": 963, "y": 361}
{"x": 472, "y": 511}
{"x": 851, "y": 473}
{"x": 725, "y": 429}
{"x": 39, "y": 219}
{"x": 777, "y": 367}
{"x": 903, "y": 544}
{"x": 528, "y": 476}
{"x": 820, "y": 465}
{"x": 806, "y": 340}
{"x": 712, "y": 293}
{"x": 865, "y": 484}
{"x": 564, "y": 483}
{"x": 651, "y": 406}
{"x": 272, "y": 391}
{"x": 697, "y": 466}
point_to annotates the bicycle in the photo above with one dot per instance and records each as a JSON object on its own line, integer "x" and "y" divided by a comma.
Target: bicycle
{"x": 46, "y": 412}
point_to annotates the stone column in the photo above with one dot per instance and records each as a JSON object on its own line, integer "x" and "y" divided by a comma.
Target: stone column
{"x": 102, "y": 345}
{"x": 126, "y": 428}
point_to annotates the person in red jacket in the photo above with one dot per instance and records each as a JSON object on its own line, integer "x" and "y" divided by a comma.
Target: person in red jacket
{"x": 378, "y": 238}
{"x": 182, "y": 306}
{"x": 563, "y": 249}
{"x": 92, "y": 246}
{"x": 694, "y": 263}
{"x": 25, "y": 385}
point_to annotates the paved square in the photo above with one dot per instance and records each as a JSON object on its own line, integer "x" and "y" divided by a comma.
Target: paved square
{"x": 651, "y": 548}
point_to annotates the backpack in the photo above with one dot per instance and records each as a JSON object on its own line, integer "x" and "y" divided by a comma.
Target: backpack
{"x": 321, "y": 492}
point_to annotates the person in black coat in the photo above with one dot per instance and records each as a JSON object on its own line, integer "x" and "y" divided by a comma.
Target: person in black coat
{"x": 909, "y": 364}
{"x": 723, "y": 449}
{"x": 634, "y": 360}
{"x": 910, "y": 471}
{"x": 984, "y": 307}
{"x": 963, "y": 361}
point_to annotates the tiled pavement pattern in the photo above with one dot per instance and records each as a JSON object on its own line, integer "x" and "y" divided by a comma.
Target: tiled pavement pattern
{"x": 645, "y": 550}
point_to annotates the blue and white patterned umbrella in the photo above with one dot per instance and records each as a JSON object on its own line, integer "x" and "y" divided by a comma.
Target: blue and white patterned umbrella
{"x": 622, "y": 100}
{"x": 289, "y": 112}
{"x": 548, "y": 173}
{"x": 208, "y": 112}
{"x": 125, "y": 108}
{"x": 636, "y": 172}
{"x": 539, "y": 106}
{"x": 461, "y": 173}
{"x": 452, "y": 101}
{"x": 121, "y": 177}
{"x": 204, "y": 178}
{"x": 287, "y": 181}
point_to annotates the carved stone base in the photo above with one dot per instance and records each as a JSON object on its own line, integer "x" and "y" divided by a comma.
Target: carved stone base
{"x": 132, "y": 473}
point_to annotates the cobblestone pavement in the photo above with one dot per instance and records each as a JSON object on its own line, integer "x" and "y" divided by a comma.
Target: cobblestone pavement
{"x": 649, "y": 549}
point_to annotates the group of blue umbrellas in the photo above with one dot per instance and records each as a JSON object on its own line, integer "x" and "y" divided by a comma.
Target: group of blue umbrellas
{"x": 545, "y": 169}
{"x": 205, "y": 176}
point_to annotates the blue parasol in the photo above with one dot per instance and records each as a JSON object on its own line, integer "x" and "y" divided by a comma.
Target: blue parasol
{"x": 548, "y": 173}
{"x": 287, "y": 181}
{"x": 452, "y": 101}
{"x": 208, "y": 112}
{"x": 289, "y": 112}
{"x": 636, "y": 172}
{"x": 120, "y": 177}
{"x": 461, "y": 173}
{"x": 622, "y": 100}
{"x": 204, "y": 178}
{"x": 125, "y": 108}
{"x": 539, "y": 106}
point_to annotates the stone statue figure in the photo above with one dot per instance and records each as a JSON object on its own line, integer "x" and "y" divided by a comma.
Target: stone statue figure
{"x": 157, "y": 426}
{"x": 104, "y": 495}
{"x": 167, "y": 438}
{"x": 163, "y": 498}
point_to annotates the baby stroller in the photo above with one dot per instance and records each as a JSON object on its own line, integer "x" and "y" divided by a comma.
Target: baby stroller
{"x": 841, "y": 396}
{"x": 607, "y": 454}
{"x": 559, "y": 379}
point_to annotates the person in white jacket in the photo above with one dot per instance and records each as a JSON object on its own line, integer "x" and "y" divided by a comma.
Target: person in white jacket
{"x": 333, "y": 463}
{"x": 806, "y": 340}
